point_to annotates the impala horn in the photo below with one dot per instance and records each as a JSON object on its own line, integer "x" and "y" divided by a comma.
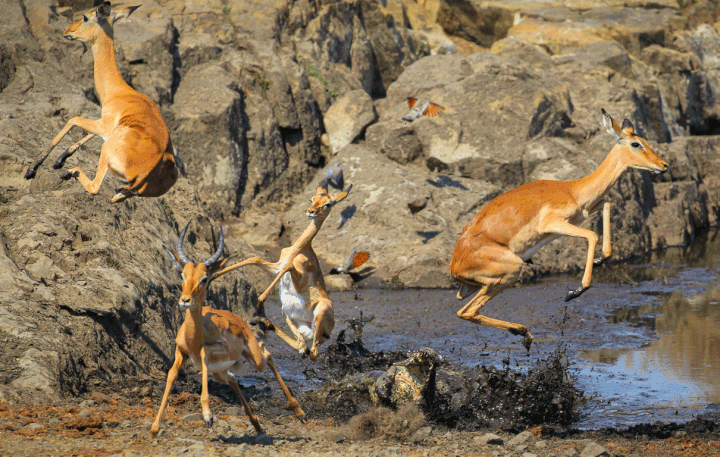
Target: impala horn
{"x": 181, "y": 254}
{"x": 221, "y": 244}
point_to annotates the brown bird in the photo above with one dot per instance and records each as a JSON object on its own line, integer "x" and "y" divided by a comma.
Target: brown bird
{"x": 418, "y": 205}
{"x": 423, "y": 108}
{"x": 353, "y": 261}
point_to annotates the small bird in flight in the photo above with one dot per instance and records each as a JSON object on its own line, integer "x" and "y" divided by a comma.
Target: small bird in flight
{"x": 353, "y": 261}
{"x": 334, "y": 176}
{"x": 423, "y": 108}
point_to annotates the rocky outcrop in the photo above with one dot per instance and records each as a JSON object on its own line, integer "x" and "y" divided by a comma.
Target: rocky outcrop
{"x": 248, "y": 90}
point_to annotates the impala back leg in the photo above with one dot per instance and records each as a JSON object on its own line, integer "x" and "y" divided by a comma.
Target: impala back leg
{"x": 229, "y": 378}
{"x": 93, "y": 186}
{"x": 493, "y": 269}
{"x": 324, "y": 317}
{"x": 299, "y": 413}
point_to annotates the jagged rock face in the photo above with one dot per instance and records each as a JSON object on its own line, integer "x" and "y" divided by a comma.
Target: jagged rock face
{"x": 244, "y": 89}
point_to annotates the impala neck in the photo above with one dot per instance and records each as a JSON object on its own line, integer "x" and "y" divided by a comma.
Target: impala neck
{"x": 591, "y": 189}
{"x": 307, "y": 236}
{"x": 107, "y": 76}
{"x": 193, "y": 324}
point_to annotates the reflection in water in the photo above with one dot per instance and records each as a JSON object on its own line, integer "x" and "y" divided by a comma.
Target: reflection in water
{"x": 689, "y": 344}
{"x": 684, "y": 360}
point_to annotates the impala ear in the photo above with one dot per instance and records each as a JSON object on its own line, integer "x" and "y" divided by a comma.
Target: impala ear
{"x": 122, "y": 13}
{"x": 611, "y": 126}
{"x": 342, "y": 195}
{"x": 174, "y": 257}
{"x": 322, "y": 187}
{"x": 627, "y": 128}
{"x": 217, "y": 268}
{"x": 103, "y": 11}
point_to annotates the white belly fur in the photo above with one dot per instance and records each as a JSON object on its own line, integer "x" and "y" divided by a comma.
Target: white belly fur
{"x": 531, "y": 252}
{"x": 213, "y": 367}
{"x": 293, "y": 306}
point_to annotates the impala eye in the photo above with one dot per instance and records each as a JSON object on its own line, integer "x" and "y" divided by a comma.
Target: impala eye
{"x": 85, "y": 18}
{"x": 203, "y": 280}
{"x": 635, "y": 144}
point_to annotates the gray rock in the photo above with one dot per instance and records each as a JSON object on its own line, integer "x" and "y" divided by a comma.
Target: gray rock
{"x": 348, "y": 117}
{"x": 192, "y": 417}
{"x": 85, "y": 412}
{"x": 33, "y": 426}
{"x": 234, "y": 411}
{"x": 594, "y": 450}
{"x": 521, "y": 438}
{"x": 489, "y": 438}
{"x": 395, "y": 236}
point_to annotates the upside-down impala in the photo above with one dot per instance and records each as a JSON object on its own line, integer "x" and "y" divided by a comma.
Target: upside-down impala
{"x": 215, "y": 341}
{"x": 305, "y": 303}
{"x": 508, "y": 230}
{"x": 137, "y": 145}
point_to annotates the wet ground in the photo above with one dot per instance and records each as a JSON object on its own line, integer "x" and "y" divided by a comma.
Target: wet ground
{"x": 643, "y": 343}
{"x": 639, "y": 351}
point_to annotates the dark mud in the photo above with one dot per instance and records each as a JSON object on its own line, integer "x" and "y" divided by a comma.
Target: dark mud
{"x": 453, "y": 396}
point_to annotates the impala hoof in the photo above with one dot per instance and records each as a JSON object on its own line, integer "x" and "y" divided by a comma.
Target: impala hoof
{"x": 69, "y": 174}
{"x": 30, "y": 174}
{"x": 575, "y": 293}
{"x": 599, "y": 261}
{"x": 59, "y": 162}
{"x": 209, "y": 422}
{"x": 527, "y": 342}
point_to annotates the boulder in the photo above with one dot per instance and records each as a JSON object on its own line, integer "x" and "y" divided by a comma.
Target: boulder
{"x": 407, "y": 381}
{"x": 412, "y": 249}
{"x": 348, "y": 117}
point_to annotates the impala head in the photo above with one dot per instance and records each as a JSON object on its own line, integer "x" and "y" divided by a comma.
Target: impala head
{"x": 634, "y": 149}
{"x": 197, "y": 277}
{"x": 322, "y": 202}
{"x": 97, "y": 21}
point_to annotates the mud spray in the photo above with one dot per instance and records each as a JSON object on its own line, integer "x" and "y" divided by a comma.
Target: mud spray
{"x": 452, "y": 396}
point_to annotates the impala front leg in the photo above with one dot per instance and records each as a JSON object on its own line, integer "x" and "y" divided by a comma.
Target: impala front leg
{"x": 566, "y": 228}
{"x": 204, "y": 395}
{"x": 71, "y": 150}
{"x": 606, "y": 247}
{"x": 261, "y": 299}
{"x": 86, "y": 124}
{"x": 180, "y": 359}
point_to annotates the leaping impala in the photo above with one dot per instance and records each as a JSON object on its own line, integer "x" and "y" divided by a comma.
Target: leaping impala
{"x": 216, "y": 341}
{"x": 305, "y": 302}
{"x": 137, "y": 145}
{"x": 512, "y": 227}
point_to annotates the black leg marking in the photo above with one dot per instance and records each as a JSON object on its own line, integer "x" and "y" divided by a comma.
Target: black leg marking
{"x": 575, "y": 293}
{"x": 69, "y": 174}
{"x": 61, "y": 160}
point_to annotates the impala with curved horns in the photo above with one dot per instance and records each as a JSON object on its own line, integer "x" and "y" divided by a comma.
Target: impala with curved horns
{"x": 305, "y": 302}
{"x": 215, "y": 341}
{"x": 137, "y": 146}
{"x": 508, "y": 230}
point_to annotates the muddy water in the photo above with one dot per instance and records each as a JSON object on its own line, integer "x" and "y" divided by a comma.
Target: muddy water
{"x": 643, "y": 342}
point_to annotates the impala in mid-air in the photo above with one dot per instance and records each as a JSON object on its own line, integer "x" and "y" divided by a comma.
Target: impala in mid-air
{"x": 137, "y": 146}
{"x": 512, "y": 227}
{"x": 305, "y": 302}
